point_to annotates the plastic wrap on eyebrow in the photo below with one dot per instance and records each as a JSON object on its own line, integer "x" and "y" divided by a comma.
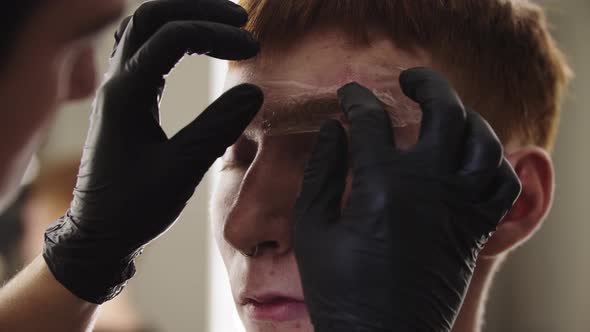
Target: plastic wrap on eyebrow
{"x": 402, "y": 113}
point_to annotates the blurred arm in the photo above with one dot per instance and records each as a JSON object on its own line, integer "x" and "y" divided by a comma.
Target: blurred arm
{"x": 35, "y": 301}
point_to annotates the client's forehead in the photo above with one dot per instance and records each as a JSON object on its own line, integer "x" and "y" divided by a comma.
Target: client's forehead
{"x": 300, "y": 83}
{"x": 326, "y": 58}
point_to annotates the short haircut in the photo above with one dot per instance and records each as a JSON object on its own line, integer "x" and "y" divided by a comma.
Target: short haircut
{"x": 498, "y": 54}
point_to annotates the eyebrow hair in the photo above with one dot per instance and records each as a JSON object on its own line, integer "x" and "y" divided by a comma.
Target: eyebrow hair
{"x": 297, "y": 115}
{"x": 303, "y": 114}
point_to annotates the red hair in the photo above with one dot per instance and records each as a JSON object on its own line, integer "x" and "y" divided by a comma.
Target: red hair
{"x": 499, "y": 54}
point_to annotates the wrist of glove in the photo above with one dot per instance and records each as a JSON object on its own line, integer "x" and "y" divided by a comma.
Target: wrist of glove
{"x": 86, "y": 262}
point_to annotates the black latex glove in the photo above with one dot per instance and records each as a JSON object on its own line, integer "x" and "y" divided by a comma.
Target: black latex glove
{"x": 400, "y": 254}
{"x": 133, "y": 181}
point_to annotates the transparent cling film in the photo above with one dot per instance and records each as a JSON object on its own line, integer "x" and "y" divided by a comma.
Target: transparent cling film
{"x": 303, "y": 108}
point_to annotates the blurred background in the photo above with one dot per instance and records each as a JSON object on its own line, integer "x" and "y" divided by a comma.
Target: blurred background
{"x": 181, "y": 284}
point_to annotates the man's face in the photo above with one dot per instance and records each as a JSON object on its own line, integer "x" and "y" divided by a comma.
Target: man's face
{"x": 258, "y": 179}
{"x": 50, "y": 62}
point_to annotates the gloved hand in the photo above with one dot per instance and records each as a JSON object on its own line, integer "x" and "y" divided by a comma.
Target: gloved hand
{"x": 400, "y": 254}
{"x": 133, "y": 181}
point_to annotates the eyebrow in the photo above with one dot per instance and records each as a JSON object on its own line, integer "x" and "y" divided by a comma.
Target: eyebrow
{"x": 305, "y": 114}
{"x": 295, "y": 116}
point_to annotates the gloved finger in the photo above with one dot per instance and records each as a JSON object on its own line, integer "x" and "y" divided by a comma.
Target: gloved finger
{"x": 219, "y": 126}
{"x": 119, "y": 33}
{"x": 504, "y": 190}
{"x": 509, "y": 186}
{"x": 483, "y": 151}
{"x": 324, "y": 177}
{"x": 114, "y": 96}
{"x": 443, "y": 120}
{"x": 371, "y": 132}
{"x": 160, "y": 54}
{"x": 153, "y": 15}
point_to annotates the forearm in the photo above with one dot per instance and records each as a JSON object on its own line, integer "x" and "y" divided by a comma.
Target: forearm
{"x": 35, "y": 301}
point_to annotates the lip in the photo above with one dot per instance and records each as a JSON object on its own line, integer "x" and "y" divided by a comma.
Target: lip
{"x": 274, "y": 307}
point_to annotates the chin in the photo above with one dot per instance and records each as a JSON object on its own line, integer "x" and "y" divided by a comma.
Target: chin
{"x": 300, "y": 325}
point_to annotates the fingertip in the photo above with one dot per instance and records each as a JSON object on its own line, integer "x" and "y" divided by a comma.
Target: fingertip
{"x": 352, "y": 89}
{"x": 249, "y": 88}
{"x": 225, "y": 119}
{"x": 411, "y": 80}
{"x": 348, "y": 87}
{"x": 241, "y": 15}
{"x": 354, "y": 95}
{"x": 121, "y": 29}
{"x": 253, "y": 47}
{"x": 234, "y": 44}
{"x": 251, "y": 92}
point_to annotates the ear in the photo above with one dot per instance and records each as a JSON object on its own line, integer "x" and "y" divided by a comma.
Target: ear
{"x": 535, "y": 170}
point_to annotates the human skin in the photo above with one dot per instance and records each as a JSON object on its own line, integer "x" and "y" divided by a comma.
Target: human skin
{"x": 39, "y": 212}
{"x": 257, "y": 181}
{"x": 44, "y": 68}
{"x": 50, "y": 63}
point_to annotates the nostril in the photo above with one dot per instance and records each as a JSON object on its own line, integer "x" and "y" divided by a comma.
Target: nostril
{"x": 260, "y": 248}
{"x": 254, "y": 232}
{"x": 267, "y": 246}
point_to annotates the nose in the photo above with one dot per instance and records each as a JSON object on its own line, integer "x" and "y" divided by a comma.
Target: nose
{"x": 260, "y": 220}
